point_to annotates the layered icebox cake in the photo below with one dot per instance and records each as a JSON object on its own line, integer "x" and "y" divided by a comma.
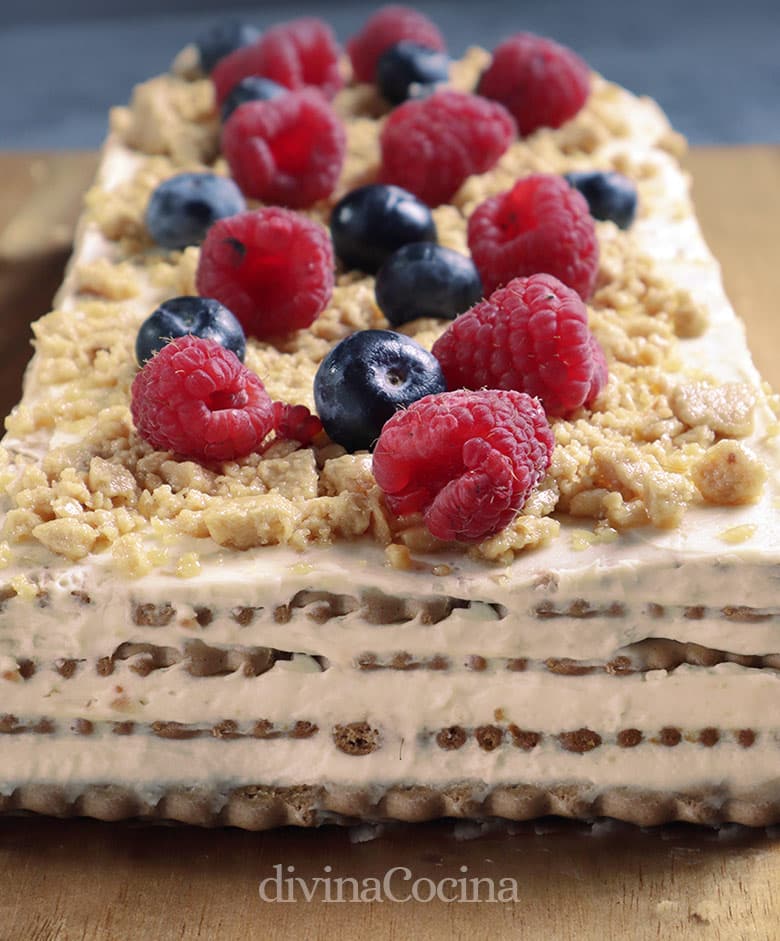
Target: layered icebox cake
{"x": 267, "y": 639}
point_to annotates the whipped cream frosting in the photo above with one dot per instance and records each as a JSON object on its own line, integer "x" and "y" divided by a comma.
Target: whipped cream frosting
{"x": 151, "y": 765}
{"x": 67, "y": 628}
{"x": 726, "y": 696}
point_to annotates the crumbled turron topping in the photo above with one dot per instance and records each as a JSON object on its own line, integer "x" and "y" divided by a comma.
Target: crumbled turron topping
{"x": 729, "y": 474}
{"x": 171, "y": 117}
{"x": 738, "y": 534}
{"x": 656, "y": 442}
{"x": 25, "y": 589}
{"x": 727, "y": 409}
{"x": 188, "y": 565}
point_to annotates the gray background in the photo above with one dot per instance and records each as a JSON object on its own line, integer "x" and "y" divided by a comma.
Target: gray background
{"x": 714, "y": 66}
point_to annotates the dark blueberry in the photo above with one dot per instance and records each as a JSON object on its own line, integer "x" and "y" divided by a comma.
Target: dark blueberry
{"x": 223, "y": 38}
{"x": 364, "y": 380}
{"x": 253, "y": 88}
{"x": 609, "y": 195}
{"x": 183, "y": 207}
{"x": 419, "y": 91}
{"x": 426, "y": 280}
{"x": 371, "y": 222}
{"x": 406, "y": 66}
{"x": 189, "y": 316}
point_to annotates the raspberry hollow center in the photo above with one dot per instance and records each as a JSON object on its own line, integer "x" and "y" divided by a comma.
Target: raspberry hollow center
{"x": 516, "y": 215}
{"x": 225, "y": 399}
{"x": 292, "y": 150}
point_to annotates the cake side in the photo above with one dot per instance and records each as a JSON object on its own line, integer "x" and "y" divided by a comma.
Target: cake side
{"x": 425, "y": 664}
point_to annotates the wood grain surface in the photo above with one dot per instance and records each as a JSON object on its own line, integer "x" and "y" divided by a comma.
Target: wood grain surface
{"x": 81, "y": 879}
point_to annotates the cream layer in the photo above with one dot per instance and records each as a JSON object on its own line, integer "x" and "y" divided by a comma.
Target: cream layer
{"x": 68, "y": 628}
{"x": 152, "y": 765}
{"x": 401, "y": 703}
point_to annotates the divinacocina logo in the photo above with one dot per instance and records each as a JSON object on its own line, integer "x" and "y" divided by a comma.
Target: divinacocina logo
{"x": 396, "y": 885}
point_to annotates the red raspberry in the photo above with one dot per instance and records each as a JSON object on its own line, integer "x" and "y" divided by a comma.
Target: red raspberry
{"x": 467, "y": 460}
{"x": 271, "y": 267}
{"x": 542, "y": 83}
{"x": 388, "y": 26}
{"x": 541, "y": 224}
{"x": 196, "y": 398}
{"x": 431, "y": 145}
{"x": 288, "y": 150}
{"x": 533, "y": 336}
{"x": 302, "y": 52}
{"x": 296, "y": 423}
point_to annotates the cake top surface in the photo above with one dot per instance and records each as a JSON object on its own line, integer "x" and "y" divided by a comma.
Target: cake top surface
{"x": 672, "y": 456}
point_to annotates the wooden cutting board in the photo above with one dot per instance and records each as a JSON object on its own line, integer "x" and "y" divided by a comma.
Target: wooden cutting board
{"x": 81, "y": 879}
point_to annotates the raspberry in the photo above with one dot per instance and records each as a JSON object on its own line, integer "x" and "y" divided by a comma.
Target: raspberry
{"x": 295, "y": 423}
{"x": 388, "y": 26}
{"x": 271, "y": 267}
{"x": 532, "y": 336}
{"x": 466, "y": 460}
{"x": 541, "y": 225}
{"x": 301, "y": 52}
{"x": 431, "y": 145}
{"x": 540, "y": 82}
{"x": 196, "y": 398}
{"x": 288, "y": 150}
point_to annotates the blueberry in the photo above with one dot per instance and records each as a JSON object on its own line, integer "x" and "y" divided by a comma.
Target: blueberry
{"x": 371, "y": 222}
{"x": 189, "y": 316}
{"x": 363, "y": 381}
{"x": 609, "y": 195}
{"x": 405, "y": 66}
{"x": 253, "y": 88}
{"x": 223, "y": 38}
{"x": 421, "y": 90}
{"x": 183, "y": 207}
{"x": 426, "y": 280}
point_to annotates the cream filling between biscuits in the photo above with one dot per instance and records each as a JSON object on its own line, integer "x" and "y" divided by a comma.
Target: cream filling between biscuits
{"x": 153, "y": 765}
{"x": 726, "y": 696}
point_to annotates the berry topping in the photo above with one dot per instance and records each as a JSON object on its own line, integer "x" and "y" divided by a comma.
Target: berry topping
{"x": 404, "y": 69}
{"x": 540, "y": 82}
{"x": 609, "y": 195}
{"x": 366, "y": 378}
{"x": 288, "y": 150}
{"x": 253, "y": 88}
{"x": 370, "y": 223}
{"x": 295, "y": 423}
{"x": 189, "y": 316}
{"x": 223, "y": 38}
{"x": 183, "y": 207}
{"x": 426, "y": 280}
{"x": 295, "y": 54}
{"x": 540, "y": 225}
{"x": 466, "y": 460}
{"x": 388, "y": 26}
{"x": 272, "y": 267}
{"x": 532, "y": 336}
{"x": 431, "y": 145}
{"x": 197, "y": 399}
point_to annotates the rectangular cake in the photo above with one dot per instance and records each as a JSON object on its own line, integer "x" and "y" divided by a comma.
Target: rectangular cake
{"x": 261, "y": 641}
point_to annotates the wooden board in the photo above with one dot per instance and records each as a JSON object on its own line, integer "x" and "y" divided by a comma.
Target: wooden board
{"x": 40, "y": 199}
{"x": 81, "y": 879}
